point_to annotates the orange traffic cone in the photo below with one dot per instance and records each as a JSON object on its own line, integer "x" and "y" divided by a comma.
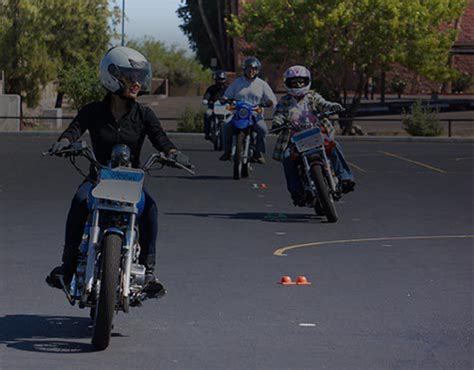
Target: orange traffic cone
{"x": 286, "y": 280}
{"x": 302, "y": 280}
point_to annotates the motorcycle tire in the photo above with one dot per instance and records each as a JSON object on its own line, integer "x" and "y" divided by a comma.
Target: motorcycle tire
{"x": 325, "y": 197}
{"x": 217, "y": 140}
{"x": 239, "y": 147}
{"x": 105, "y": 309}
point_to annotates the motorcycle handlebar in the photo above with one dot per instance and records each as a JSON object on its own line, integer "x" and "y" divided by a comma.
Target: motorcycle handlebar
{"x": 81, "y": 148}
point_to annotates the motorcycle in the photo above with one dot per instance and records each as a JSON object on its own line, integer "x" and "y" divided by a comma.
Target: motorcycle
{"x": 310, "y": 147}
{"x": 243, "y": 136}
{"x": 108, "y": 277}
{"x": 220, "y": 115}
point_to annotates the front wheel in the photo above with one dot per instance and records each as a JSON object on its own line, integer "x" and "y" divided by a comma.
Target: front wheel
{"x": 324, "y": 195}
{"x": 109, "y": 282}
{"x": 239, "y": 148}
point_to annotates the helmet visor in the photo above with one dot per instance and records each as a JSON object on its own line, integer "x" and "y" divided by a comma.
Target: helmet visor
{"x": 129, "y": 76}
{"x": 296, "y": 82}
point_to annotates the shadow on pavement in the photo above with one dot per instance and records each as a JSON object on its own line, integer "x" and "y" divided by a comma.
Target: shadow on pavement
{"x": 261, "y": 216}
{"x": 46, "y": 334}
{"x": 191, "y": 177}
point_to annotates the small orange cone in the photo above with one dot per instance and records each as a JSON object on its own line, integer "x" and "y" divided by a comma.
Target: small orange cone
{"x": 302, "y": 280}
{"x": 286, "y": 280}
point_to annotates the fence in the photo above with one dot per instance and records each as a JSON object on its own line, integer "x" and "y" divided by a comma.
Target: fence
{"x": 57, "y": 122}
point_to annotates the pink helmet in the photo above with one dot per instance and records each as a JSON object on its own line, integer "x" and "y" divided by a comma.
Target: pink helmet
{"x": 297, "y": 80}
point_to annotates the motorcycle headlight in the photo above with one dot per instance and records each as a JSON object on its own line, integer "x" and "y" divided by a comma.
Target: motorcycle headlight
{"x": 243, "y": 113}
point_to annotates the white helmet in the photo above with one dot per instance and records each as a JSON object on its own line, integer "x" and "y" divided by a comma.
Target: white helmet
{"x": 297, "y": 80}
{"x": 120, "y": 64}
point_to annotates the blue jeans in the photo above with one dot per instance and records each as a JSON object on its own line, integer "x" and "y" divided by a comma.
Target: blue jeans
{"x": 77, "y": 217}
{"x": 260, "y": 128}
{"x": 293, "y": 181}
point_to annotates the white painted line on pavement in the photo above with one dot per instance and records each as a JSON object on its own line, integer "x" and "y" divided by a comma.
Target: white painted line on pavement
{"x": 281, "y": 251}
{"x": 307, "y": 324}
{"x": 414, "y": 162}
{"x": 356, "y": 167}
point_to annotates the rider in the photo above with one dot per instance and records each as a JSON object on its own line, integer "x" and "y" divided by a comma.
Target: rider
{"x": 253, "y": 90}
{"x": 117, "y": 119}
{"x": 298, "y": 108}
{"x": 212, "y": 94}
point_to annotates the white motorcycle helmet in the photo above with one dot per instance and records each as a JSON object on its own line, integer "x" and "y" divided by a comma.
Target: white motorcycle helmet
{"x": 120, "y": 65}
{"x": 297, "y": 80}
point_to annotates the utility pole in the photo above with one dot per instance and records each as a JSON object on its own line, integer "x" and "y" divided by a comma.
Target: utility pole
{"x": 123, "y": 22}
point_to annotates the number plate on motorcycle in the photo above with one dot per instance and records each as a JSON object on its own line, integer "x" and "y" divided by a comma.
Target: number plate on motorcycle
{"x": 120, "y": 184}
{"x": 308, "y": 139}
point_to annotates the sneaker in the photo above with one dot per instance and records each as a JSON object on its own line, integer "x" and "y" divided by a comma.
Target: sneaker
{"x": 225, "y": 157}
{"x": 55, "y": 276}
{"x": 153, "y": 287}
{"x": 347, "y": 186}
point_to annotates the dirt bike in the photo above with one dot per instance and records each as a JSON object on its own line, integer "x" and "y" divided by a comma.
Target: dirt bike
{"x": 243, "y": 136}
{"x": 310, "y": 147}
{"x": 108, "y": 277}
{"x": 219, "y": 116}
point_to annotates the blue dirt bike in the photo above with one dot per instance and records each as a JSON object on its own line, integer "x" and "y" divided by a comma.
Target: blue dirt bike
{"x": 108, "y": 276}
{"x": 243, "y": 136}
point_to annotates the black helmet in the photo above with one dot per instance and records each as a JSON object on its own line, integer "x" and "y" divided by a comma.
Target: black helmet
{"x": 220, "y": 76}
{"x": 251, "y": 62}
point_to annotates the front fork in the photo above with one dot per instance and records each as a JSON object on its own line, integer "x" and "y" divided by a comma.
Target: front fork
{"x": 94, "y": 236}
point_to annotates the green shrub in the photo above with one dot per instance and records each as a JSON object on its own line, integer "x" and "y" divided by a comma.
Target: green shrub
{"x": 421, "y": 121}
{"x": 191, "y": 121}
{"x": 81, "y": 84}
{"x": 462, "y": 83}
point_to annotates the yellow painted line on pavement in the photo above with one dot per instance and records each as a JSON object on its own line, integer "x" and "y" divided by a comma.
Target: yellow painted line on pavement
{"x": 281, "y": 251}
{"x": 356, "y": 167}
{"x": 415, "y": 162}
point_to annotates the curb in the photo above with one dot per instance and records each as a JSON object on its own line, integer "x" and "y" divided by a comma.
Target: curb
{"x": 399, "y": 139}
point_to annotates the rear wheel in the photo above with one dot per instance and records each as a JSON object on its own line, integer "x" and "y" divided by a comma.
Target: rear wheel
{"x": 325, "y": 197}
{"x": 104, "y": 314}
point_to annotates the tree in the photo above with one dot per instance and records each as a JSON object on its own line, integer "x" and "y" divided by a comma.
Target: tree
{"x": 41, "y": 37}
{"x": 81, "y": 34}
{"x": 171, "y": 62}
{"x": 344, "y": 42}
{"x": 203, "y": 23}
{"x": 23, "y": 50}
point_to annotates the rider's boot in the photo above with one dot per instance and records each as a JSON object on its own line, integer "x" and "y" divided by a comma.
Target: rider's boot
{"x": 347, "y": 186}
{"x": 65, "y": 271}
{"x": 259, "y": 158}
{"x": 225, "y": 156}
{"x": 153, "y": 287}
{"x": 299, "y": 200}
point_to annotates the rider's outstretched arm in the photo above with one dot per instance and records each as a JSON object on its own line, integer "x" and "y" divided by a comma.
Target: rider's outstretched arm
{"x": 79, "y": 124}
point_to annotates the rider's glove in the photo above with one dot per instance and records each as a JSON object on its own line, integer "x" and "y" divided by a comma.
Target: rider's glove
{"x": 60, "y": 145}
{"x": 179, "y": 157}
{"x": 336, "y": 107}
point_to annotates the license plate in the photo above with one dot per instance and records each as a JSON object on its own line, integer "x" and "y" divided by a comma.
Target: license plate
{"x": 308, "y": 139}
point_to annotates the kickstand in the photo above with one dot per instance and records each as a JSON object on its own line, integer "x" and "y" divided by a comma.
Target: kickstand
{"x": 71, "y": 300}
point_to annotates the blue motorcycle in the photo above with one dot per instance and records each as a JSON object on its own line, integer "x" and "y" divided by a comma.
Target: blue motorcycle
{"x": 243, "y": 136}
{"x": 109, "y": 277}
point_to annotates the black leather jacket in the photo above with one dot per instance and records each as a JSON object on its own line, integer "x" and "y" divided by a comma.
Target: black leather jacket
{"x": 106, "y": 132}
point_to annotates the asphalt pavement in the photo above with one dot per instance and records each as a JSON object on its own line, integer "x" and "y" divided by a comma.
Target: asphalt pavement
{"x": 391, "y": 280}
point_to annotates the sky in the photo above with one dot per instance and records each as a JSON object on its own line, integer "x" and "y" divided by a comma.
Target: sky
{"x": 155, "y": 18}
